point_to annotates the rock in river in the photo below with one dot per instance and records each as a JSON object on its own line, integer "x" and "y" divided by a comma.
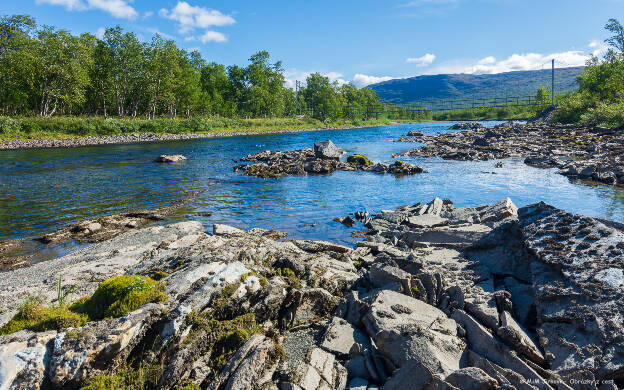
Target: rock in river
{"x": 170, "y": 158}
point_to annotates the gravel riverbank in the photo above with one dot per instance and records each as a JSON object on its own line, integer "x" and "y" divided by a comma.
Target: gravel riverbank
{"x": 148, "y": 137}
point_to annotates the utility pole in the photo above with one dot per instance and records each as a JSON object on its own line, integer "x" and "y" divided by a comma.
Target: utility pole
{"x": 552, "y": 85}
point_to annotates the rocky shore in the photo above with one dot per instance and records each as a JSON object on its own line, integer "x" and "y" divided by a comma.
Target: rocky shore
{"x": 434, "y": 297}
{"x": 20, "y": 253}
{"x": 323, "y": 159}
{"x": 585, "y": 153}
{"x": 146, "y": 137}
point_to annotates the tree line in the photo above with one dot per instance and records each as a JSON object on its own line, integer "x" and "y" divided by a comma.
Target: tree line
{"x": 600, "y": 97}
{"x": 47, "y": 72}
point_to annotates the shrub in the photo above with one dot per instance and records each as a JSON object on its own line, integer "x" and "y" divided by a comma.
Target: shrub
{"x": 120, "y": 295}
{"x": 611, "y": 115}
{"x": 359, "y": 159}
{"x": 9, "y": 125}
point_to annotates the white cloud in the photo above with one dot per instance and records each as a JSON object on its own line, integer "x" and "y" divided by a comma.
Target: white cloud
{"x": 598, "y": 48}
{"x": 292, "y": 75}
{"x": 362, "y": 80}
{"x": 425, "y": 60}
{"x": 70, "y": 5}
{"x": 117, "y": 8}
{"x": 213, "y": 36}
{"x": 148, "y": 14}
{"x": 526, "y": 61}
{"x": 100, "y": 33}
{"x": 191, "y": 17}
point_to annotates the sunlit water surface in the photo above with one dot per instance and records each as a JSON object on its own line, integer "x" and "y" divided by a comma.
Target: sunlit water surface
{"x": 42, "y": 190}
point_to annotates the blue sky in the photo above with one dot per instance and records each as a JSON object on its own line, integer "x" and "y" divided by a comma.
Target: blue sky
{"x": 355, "y": 41}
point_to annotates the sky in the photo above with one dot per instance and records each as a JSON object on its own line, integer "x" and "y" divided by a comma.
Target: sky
{"x": 363, "y": 41}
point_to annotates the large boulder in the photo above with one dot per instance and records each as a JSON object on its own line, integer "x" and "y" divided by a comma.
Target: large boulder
{"x": 407, "y": 330}
{"x": 327, "y": 150}
{"x": 579, "y": 299}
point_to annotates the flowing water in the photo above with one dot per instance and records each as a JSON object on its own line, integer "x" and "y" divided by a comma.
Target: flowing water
{"x": 45, "y": 189}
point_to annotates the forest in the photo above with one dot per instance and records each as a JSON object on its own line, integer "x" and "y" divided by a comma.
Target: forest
{"x": 45, "y": 72}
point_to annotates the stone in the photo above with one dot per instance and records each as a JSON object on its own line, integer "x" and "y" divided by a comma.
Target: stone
{"x": 483, "y": 342}
{"x": 170, "y": 158}
{"x": 250, "y": 368}
{"x": 415, "y": 375}
{"x": 426, "y": 221}
{"x": 341, "y": 336}
{"x": 98, "y": 346}
{"x": 327, "y": 150}
{"x": 471, "y": 378}
{"x": 499, "y": 211}
{"x": 225, "y": 230}
{"x": 319, "y": 370}
{"x": 24, "y": 358}
{"x": 408, "y": 330}
{"x": 515, "y": 336}
{"x": 381, "y": 276}
{"x": 306, "y": 306}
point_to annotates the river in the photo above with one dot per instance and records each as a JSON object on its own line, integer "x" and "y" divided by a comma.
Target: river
{"x": 45, "y": 189}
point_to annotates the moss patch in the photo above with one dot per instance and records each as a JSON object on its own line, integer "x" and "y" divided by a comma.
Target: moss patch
{"x": 36, "y": 317}
{"x": 359, "y": 159}
{"x": 114, "y": 297}
{"x": 289, "y": 275}
{"x": 120, "y": 295}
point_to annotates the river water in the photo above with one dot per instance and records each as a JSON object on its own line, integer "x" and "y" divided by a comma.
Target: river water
{"x": 45, "y": 189}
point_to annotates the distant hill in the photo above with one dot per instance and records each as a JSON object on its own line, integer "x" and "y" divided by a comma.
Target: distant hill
{"x": 420, "y": 89}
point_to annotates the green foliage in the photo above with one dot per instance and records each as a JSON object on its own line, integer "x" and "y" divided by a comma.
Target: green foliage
{"x": 359, "y": 159}
{"x": 36, "y": 317}
{"x": 289, "y": 275}
{"x": 120, "y": 295}
{"x": 600, "y": 97}
{"x": 47, "y": 71}
{"x": 127, "y": 378}
{"x": 231, "y": 336}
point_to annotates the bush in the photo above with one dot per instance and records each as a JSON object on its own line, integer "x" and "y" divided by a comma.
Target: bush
{"x": 610, "y": 115}
{"x": 359, "y": 159}
{"x": 120, "y": 295}
{"x": 9, "y": 125}
{"x": 570, "y": 108}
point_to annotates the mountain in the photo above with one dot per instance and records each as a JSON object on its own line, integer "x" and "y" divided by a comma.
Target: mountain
{"x": 454, "y": 87}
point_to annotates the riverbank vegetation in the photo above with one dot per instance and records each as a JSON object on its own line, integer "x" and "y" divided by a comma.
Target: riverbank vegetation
{"x": 64, "y": 127}
{"x": 600, "y": 98}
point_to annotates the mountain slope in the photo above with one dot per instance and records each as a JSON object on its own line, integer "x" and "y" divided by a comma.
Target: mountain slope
{"x": 469, "y": 86}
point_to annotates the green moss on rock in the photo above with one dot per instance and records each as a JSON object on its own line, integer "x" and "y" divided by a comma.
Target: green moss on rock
{"x": 120, "y": 295}
{"x": 36, "y": 317}
{"x": 359, "y": 159}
